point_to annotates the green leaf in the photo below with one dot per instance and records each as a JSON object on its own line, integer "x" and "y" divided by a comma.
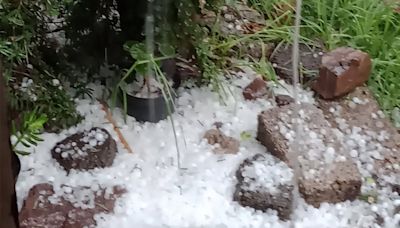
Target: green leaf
{"x": 370, "y": 180}
{"x": 137, "y": 50}
{"x": 244, "y": 135}
{"x": 23, "y": 153}
{"x": 16, "y": 21}
{"x": 36, "y": 138}
{"x": 141, "y": 69}
{"x": 167, "y": 49}
{"x": 25, "y": 144}
{"x": 31, "y": 141}
{"x": 38, "y": 123}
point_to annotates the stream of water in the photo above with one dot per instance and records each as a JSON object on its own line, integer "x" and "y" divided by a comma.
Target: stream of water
{"x": 154, "y": 28}
{"x": 294, "y": 147}
{"x": 149, "y": 41}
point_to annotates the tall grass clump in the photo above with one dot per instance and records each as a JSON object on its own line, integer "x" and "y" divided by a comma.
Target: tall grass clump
{"x": 370, "y": 25}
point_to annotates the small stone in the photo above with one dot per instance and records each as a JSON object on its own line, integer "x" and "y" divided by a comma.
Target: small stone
{"x": 218, "y": 125}
{"x": 381, "y": 114}
{"x": 256, "y": 89}
{"x": 224, "y": 144}
{"x": 357, "y": 100}
{"x": 352, "y": 105}
{"x": 342, "y": 70}
{"x": 282, "y": 100}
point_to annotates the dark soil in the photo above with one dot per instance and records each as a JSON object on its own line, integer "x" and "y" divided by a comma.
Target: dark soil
{"x": 310, "y": 60}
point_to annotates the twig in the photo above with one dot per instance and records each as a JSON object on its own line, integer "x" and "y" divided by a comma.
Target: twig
{"x": 116, "y": 129}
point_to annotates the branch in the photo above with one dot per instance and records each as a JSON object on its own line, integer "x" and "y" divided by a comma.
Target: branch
{"x": 116, "y": 129}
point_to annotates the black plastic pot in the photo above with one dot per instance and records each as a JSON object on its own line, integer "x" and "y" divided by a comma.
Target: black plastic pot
{"x": 149, "y": 109}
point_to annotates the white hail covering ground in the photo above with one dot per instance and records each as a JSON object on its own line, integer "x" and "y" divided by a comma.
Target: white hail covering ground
{"x": 158, "y": 195}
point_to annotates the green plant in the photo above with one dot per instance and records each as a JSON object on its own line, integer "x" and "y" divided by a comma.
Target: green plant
{"x": 28, "y": 133}
{"x": 23, "y": 31}
{"x": 369, "y": 25}
{"x": 271, "y": 8}
{"x": 214, "y": 50}
{"x": 143, "y": 61}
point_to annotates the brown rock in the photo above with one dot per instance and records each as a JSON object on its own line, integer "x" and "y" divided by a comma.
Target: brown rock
{"x": 282, "y": 100}
{"x": 262, "y": 198}
{"x": 38, "y": 211}
{"x": 256, "y": 89}
{"x": 218, "y": 124}
{"x": 339, "y": 185}
{"x": 226, "y": 144}
{"x": 342, "y": 70}
{"x": 86, "y": 150}
{"x": 310, "y": 60}
{"x": 326, "y": 175}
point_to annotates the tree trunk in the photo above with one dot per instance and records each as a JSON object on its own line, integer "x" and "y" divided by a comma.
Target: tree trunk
{"x": 8, "y": 206}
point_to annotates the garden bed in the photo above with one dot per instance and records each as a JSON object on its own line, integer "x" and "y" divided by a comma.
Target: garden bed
{"x": 200, "y": 194}
{"x": 230, "y": 141}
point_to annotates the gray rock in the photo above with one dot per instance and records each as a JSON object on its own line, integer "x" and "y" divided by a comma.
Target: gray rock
{"x": 251, "y": 192}
{"x": 86, "y": 150}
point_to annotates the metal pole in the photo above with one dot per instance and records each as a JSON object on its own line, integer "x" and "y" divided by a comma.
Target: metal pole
{"x": 8, "y": 205}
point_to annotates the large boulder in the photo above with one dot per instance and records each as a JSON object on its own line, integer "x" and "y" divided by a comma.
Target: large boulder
{"x": 86, "y": 150}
